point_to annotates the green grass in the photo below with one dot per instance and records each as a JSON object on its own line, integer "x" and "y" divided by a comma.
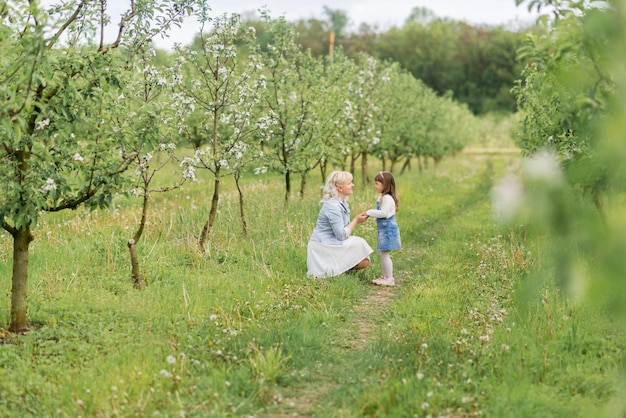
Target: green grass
{"x": 240, "y": 331}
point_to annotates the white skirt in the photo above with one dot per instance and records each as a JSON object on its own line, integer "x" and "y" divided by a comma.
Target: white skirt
{"x": 324, "y": 260}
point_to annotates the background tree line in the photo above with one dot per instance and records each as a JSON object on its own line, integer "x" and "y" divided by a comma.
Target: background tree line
{"x": 477, "y": 63}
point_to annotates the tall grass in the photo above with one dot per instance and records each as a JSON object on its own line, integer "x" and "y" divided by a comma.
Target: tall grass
{"x": 240, "y": 330}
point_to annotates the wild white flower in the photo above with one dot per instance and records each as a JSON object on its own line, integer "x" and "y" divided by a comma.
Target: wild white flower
{"x": 79, "y": 158}
{"x": 50, "y": 185}
{"x": 171, "y": 359}
{"x": 165, "y": 373}
{"x": 420, "y": 376}
{"x": 425, "y": 406}
{"x": 213, "y": 317}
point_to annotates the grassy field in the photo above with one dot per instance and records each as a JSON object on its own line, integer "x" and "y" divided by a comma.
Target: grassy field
{"x": 240, "y": 331}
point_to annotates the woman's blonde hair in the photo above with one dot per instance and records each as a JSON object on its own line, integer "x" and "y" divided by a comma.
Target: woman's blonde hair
{"x": 332, "y": 181}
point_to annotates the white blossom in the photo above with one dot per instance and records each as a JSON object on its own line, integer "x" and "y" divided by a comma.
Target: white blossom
{"x": 43, "y": 123}
{"x": 189, "y": 171}
{"x": 50, "y": 185}
{"x": 544, "y": 166}
{"x": 164, "y": 147}
{"x": 506, "y": 198}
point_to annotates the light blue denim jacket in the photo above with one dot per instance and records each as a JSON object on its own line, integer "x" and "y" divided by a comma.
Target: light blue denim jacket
{"x": 332, "y": 222}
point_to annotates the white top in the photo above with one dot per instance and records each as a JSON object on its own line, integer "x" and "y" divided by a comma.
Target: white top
{"x": 387, "y": 208}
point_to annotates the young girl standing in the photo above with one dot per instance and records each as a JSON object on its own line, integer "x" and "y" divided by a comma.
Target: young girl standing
{"x": 388, "y": 231}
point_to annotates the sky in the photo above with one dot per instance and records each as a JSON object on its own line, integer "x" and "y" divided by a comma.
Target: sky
{"x": 383, "y": 14}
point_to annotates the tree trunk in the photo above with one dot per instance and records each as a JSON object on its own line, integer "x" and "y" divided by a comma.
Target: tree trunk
{"x": 597, "y": 202}
{"x": 287, "y": 185}
{"x": 209, "y": 223}
{"x": 302, "y": 184}
{"x": 353, "y": 157}
{"x": 364, "y": 174}
{"x": 407, "y": 165}
{"x": 138, "y": 280}
{"x": 22, "y": 238}
{"x": 392, "y": 164}
{"x": 242, "y": 214}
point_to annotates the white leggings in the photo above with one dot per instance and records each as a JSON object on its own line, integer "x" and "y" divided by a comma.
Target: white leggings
{"x": 385, "y": 260}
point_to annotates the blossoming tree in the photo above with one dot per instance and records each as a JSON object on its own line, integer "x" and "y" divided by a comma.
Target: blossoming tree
{"x": 301, "y": 105}
{"x": 362, "y": 110}
{"x": 217, "y": 98}
{"x": 59, "y": 145}
{"x": 146, "y": 120}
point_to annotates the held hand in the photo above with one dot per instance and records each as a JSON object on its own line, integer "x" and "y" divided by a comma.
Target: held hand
{"x": 361, "y": 217}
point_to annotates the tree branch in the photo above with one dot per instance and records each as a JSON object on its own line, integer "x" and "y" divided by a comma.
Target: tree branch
{"x": 69, "y": 21}
{"x": 10, "y": 229}
{"x": 123, "y": 21}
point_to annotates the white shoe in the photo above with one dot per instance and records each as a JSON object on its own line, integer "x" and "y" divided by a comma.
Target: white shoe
{"x": 383, "y": 281}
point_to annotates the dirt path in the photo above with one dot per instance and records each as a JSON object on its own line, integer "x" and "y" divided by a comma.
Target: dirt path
{"x": 359, "y": 333}
{"x": 491, "y": 150}
{"x": 377, "y": 300}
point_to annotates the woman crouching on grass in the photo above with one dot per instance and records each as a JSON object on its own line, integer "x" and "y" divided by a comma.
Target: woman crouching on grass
{"x": 332, "y": 248}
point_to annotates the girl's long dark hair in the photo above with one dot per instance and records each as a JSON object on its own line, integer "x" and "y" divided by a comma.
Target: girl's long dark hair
{"x": 389, "y": 186}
